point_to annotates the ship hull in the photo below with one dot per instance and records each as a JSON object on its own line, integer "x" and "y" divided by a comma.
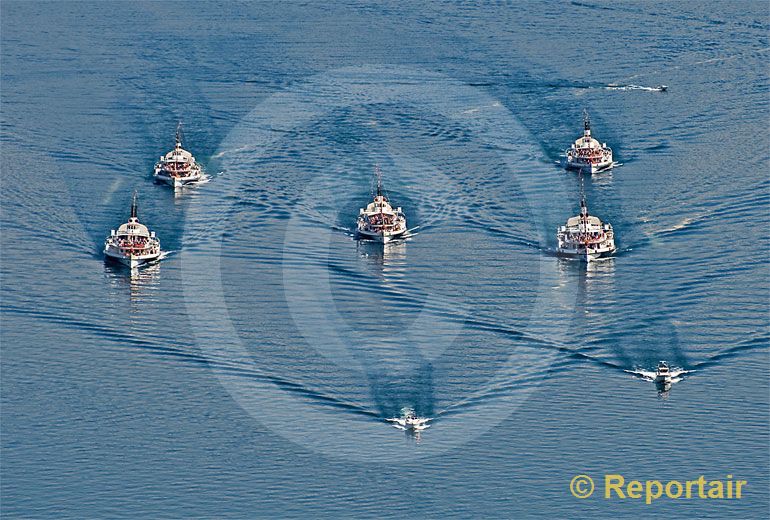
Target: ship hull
{"x": 176, "y": 182}
{"x": 583, "y": 256}
{"x": 383, "y": 238}
{"x": 589, "y": 168}
{"x": 129, "y": 261}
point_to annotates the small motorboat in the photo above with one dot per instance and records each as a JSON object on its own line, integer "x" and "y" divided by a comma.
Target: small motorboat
{"x": 132, "y": 244}
{"x": 663, "y": 377}
{"x": 586, "y": 154}
{"x": 410, "y": 422}
{"x": 585, "y": 237}
{"x": 662, "y": 88}
{"x": 663, "y": 373}
{"x": 178, "y": 167}
{"x": 379, "y": 221}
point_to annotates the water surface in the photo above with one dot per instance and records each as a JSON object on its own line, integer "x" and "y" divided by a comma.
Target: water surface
{"x": 250, "y": 373}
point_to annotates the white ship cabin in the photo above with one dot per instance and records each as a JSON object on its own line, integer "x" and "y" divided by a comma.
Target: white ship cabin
{"x": 379, "y": 205}
{"x": 588, "y": 146}
{"x": 178, "y": 157}
{"x": 380, "y": 216}
{"x": 133, "y": 236}
{"x": 587, "y": 223}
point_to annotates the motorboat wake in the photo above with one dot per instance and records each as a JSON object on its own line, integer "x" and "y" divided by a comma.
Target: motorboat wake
{"x": 662, "y": 373}
{"x": 409, "y": 421}
{"x": 657, "y": 88}
{"x": 663, "y": 376}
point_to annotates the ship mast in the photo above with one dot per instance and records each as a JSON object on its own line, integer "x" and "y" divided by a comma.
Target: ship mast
{"x": 583, "y": 207}
{"x": 586, "y": 124}
{"x": 378, "y": 173}
{"x": 134, "y": 206}
{"x": 179, "y": 134}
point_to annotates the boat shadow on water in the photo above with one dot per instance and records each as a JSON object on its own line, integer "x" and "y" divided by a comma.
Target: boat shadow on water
{"x": 410, "y": 389}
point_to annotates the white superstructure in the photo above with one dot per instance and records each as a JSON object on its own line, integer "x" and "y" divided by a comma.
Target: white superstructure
{"x": 585, "y": 236}
{"x": 132, "y": 244}
{"x": 379, "y": 221}
{"x": 586, "y": 154}
{"x": 178, "y": 167}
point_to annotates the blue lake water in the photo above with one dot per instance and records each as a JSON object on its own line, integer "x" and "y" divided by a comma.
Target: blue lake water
{"x": 251, "y": 372}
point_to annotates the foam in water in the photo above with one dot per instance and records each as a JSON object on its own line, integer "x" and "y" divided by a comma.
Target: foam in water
{"x": 659, "y": 88}
{"x": 649, "y": 375}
